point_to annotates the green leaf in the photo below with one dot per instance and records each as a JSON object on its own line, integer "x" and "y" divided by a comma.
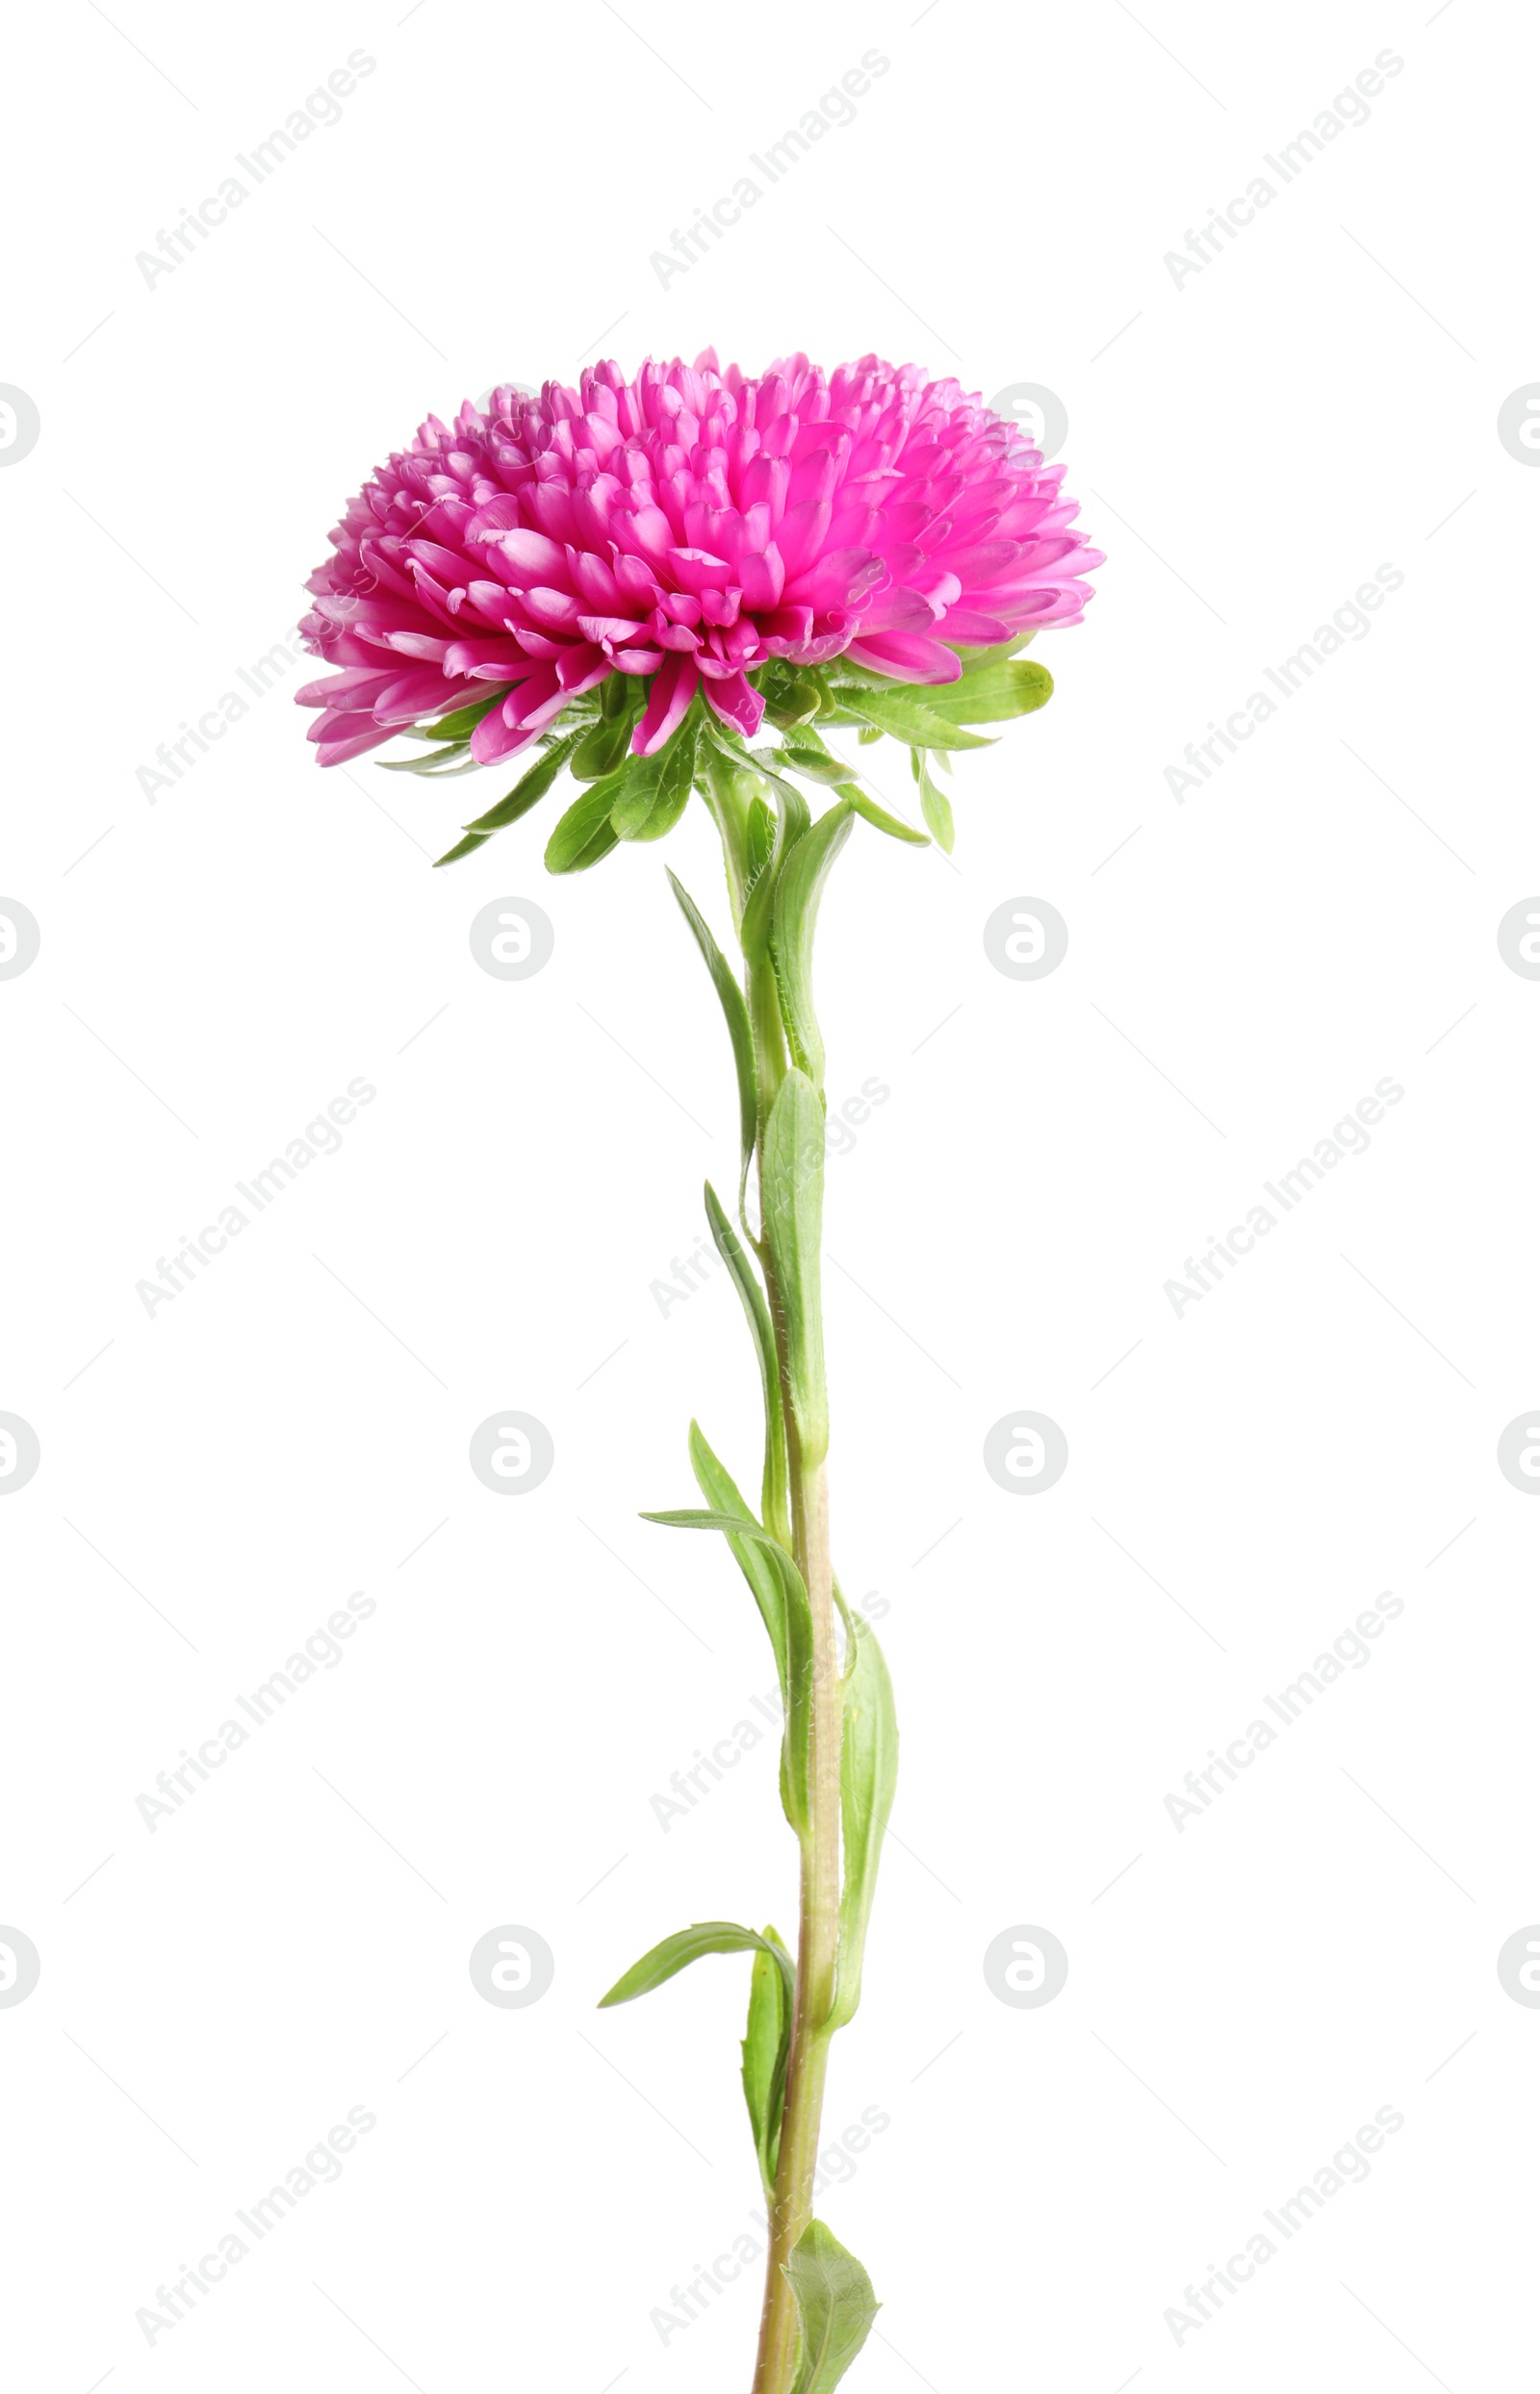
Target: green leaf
{"x": 463, "y": 722}
{"x": 774, "y": 1491}
{"x": 805, "y": 753}
{"x": 993, "y": 693}
{"x": 676, "y": 1953}
{"x": 796, "y": 1752}
{"x": 935, "y": 804}
{"x": 439, "y": 764}
{"x": 467, "y": 846}
{"x": 792, "y": 817}
{"x": 729, "y": 791}
{"x": 761, "y": 839}
{"x": 880, "y": 820}
{"x": 657, "y": 788}
{"x": 634, "y": 789}
{"x": 896, "y": 709}
{"x": 795, "y": 917}
{"x": 792, "y": 699}
{"x": 722, "y": 1494}
{"x": 868, "y": 1771}
{"x": 834, "y": 2304}
{"x": 767, "y": 764}
{"x": 735, "y": 1008}
{"x": 530, "y": 789}
{"x": 601, "y": 749}
{"x": 585, "y": 834}
{"x": 791, "y": 1164}
{"x": 765, "y": 2048}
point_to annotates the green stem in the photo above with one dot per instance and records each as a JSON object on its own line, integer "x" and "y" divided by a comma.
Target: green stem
{"x": 818, "y": 1929}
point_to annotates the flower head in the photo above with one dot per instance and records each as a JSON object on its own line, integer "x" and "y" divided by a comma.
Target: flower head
{"x": 686, "y": 528}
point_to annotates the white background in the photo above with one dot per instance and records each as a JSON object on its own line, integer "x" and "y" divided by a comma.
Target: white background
{"x": 1249, "y": 445}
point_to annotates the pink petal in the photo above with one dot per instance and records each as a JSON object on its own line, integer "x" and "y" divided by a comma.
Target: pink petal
{"x": 487, "y": 660}
{"x": 355, "y": 744}
{"x": 761, "y": 578}
{"x": 493, "y": 738}
{"x": 906, "y": 655}
{"x": 667, "y": 704}
{"x": 738, "y": 704}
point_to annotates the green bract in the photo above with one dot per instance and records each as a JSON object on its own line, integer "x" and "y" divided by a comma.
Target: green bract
{"x": 629, "y": 797}
{"x": 839, "y": 1747}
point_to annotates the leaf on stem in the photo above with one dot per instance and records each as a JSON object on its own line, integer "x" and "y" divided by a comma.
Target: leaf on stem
{"x": 762, "y": 838}
{"x": 722, "y": 1494}
{"x": 935, "y": 804}
{"x": 880, "y": 820}
{"x": 796, "y": 1751}
{"x": 676, "y": 1953}
{"x": 792, "y": 817}
{"x": 775, "y": 1485}
{"x": 804, "y": 751}
{"x": 765, "y": 2046}
{"x": 835, "y": 2307}
{"x": 793, "y": 922}
{"x": 791, "y": 1164}
{"x": 734, "y": 1005}
{"x": 868, "y": 1771}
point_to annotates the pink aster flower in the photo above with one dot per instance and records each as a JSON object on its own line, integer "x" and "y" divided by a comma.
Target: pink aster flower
{"x": 688, "y": 527}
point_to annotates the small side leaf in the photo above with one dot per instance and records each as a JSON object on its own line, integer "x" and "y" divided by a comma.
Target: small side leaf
{"x": 793, "y": 922}
{"x": 834, "y": 2304}
{"x": 762, "y": 838}
{"x": 868, "y": 1771}
{"x": 796, "y": 1751}
{"x": 935, "y": 804}
{"x": 723, "y": 1495}
{"x": 765, "y": 2046}
{"x": 676, "y": 1953}
{"x": 735, "y": 1008}
{"x": 775, "y": 1485}
{"x": 880, "y": 820}
{"x": 791, "y": 1162}
{"x": 802, "y": 752}
{"x": 792, "y": 817}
